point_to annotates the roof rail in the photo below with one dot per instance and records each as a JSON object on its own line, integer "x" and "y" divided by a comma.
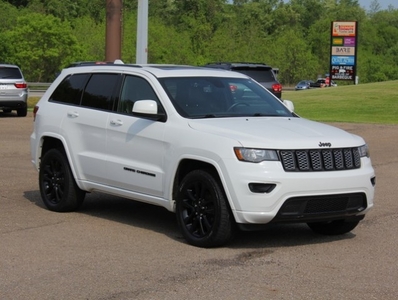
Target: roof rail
{"x": 238, "y": 62}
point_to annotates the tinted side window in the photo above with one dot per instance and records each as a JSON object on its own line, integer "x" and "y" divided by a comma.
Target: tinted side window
{"x": 135, "y": 88}
{"x": 70, "y": 89}
{"x": 99, "y": 91}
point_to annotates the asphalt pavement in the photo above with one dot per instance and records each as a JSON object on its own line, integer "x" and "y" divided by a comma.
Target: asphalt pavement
{"x": 120, "y": 249}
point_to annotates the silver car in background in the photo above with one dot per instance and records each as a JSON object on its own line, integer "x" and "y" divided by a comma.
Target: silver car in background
{"x": 13, "y": 90}
{"x": 303, "y": 85}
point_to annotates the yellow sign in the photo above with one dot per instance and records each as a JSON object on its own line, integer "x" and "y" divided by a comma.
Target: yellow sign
{"x": 338, "y": 41}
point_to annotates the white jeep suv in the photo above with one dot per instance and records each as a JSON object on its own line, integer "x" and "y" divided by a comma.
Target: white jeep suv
{"x": 213, "y": 146}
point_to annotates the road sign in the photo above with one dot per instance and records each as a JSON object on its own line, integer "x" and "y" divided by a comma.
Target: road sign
{"x": 343, "y": 50}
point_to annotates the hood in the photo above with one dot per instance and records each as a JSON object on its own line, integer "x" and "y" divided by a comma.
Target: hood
{"x": 277, "y": 132}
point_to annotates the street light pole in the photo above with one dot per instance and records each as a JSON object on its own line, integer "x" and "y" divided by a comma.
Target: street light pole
{"x": 142, "y": 32}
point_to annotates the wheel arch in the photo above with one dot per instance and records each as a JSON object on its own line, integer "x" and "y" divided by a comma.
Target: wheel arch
{"x": 49, "y": 142}
{"x": 187, "y": 165}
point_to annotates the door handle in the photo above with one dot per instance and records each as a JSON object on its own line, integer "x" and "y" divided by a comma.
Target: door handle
{"x": 73, "y": 114}
{"x": 116, "y": 122}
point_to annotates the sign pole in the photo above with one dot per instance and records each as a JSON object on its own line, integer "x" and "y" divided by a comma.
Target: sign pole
{"x": 142, "y": 33}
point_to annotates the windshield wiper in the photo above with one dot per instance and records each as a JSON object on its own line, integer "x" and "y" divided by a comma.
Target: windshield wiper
{"x": 264, "y": 115}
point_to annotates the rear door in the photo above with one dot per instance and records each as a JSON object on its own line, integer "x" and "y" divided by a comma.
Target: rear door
{"x": 84, "y": 123}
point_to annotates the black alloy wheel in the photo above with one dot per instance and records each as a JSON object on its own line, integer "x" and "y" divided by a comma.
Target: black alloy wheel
{"x": 202, "y": 211}
{"x": 58, "y": 188}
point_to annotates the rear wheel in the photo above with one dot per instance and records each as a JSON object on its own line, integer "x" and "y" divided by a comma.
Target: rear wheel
{"x": 202, "y": 211}
{"x": 333, "y": 227}
{"x": 58, "y": 188}
{"x": 22, "y": 112}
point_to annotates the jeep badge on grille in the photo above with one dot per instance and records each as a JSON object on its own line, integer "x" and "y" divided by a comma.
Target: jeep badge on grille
{"x": 325, "y": 144}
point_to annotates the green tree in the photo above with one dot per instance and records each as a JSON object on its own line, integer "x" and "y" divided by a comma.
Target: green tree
{"x": 167, "y": 45}
{"x": 40, "y": 44}
{"x": 8, "y": 16}
{"x": 18, "y": 3}
{"x": 200, "y": 18}
{"x": 90, "y": 37}
{"x": 294, "y": 57}
{"x": 69, "y": 9}
{"x": 308, "y": 11}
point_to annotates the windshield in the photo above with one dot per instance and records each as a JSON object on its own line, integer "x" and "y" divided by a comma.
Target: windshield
{"x": 214, "y": 97}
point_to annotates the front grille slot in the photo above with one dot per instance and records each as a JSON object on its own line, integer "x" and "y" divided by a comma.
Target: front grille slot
{"x": 320, "y": 159}
{"x": 321, "y": 206}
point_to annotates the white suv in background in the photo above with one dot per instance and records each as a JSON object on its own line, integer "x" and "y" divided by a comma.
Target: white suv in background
{"x": 213, "y": 146}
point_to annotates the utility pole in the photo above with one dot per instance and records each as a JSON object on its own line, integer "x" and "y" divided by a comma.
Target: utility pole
{"x": 142, "y": 32}
{"x": 113, "y": 30}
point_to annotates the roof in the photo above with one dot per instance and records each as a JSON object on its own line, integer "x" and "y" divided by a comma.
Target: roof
{"x": 228, "y": 65}
{"x": 9, "y": 66}
{"x": 158, "y": 70}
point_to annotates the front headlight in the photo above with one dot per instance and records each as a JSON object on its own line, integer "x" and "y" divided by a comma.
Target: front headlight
{"x": 364, "y": 151}
{"x": 255, "y": 155}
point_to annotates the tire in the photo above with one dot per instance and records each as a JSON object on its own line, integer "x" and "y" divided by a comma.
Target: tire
{"x": 202, "y": 211}
{"x": 336, "y": 227}
{"x": 58, "y": 188}
{"x": 22, "y": 112}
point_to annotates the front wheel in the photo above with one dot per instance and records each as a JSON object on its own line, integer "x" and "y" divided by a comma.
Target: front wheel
{"x": 202, "y": 211}
{"x": 58, "y": 188}
{"x": 336, "y": 227}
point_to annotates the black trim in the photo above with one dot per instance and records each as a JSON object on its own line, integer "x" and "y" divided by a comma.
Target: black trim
{"x": 320, "y": 208}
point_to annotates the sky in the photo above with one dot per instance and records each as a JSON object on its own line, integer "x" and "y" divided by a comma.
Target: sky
{"x": 383, "y": 3}
{"x": 366, "y": 3}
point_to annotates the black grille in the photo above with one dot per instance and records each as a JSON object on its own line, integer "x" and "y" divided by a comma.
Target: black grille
{"x": 320, "y": 159}
{"x": 317, "y": 207}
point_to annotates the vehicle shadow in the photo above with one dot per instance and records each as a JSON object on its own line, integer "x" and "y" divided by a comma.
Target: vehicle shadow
{"x": 159, "y": 220}
{"x": 12, "y": 114}
{"x": 283, "y": 235}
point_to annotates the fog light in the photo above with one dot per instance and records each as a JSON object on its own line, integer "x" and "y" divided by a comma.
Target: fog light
{"x": 261, "y": 187}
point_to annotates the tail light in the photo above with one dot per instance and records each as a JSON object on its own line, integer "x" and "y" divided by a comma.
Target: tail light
{"x": 233, "y": 87}
{"x": 35, "y": 110}
{"x": 277, "y": 87}
{"x": 20, "y": 85}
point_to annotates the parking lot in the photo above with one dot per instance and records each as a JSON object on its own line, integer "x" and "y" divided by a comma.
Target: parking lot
{"x": 120, "y": 249}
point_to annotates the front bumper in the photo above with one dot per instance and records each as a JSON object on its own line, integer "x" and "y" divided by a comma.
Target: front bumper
{"x": 301, "y": 196}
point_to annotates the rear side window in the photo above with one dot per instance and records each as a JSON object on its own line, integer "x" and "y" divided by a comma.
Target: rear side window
{"x": 100, "y": 90}
{"x": 10, "y": 73}
{"x": 70, "y": 90}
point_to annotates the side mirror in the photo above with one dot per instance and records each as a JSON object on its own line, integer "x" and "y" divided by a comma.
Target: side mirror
{"x": 289, "y": 104}
{"x": 148, "y": 109}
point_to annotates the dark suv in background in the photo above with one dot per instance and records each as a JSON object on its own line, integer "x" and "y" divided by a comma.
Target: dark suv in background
{"x": 262, "y": 73}
{"x": 13, "y": 90}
